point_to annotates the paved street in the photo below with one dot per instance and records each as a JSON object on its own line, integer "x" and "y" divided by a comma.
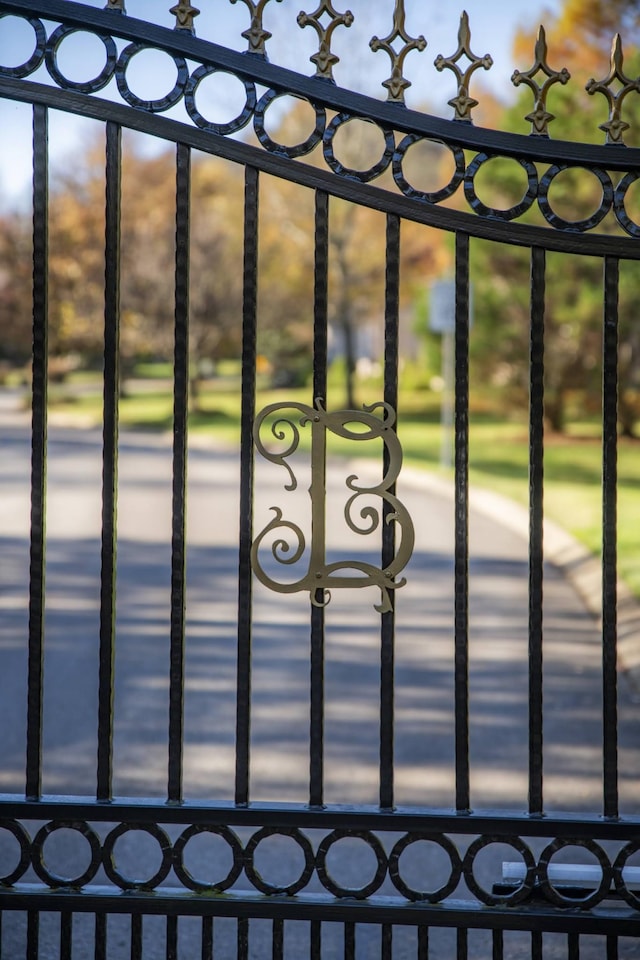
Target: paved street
{"x": 424, "y": 655}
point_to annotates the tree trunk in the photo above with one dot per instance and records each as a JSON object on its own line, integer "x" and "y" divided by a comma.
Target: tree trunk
{"x": 195, "y": 389}
{"x": 349, "y": 335}
{"x": 554, "y": 411}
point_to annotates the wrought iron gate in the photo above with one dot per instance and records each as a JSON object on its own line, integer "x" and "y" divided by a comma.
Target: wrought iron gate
{"x": 383, "y": 912}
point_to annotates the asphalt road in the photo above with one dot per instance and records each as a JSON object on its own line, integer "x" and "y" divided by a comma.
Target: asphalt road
{"x": 280, "y": 697}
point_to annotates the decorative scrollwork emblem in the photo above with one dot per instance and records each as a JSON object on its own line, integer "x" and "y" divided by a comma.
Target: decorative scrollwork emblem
{"x": 540, "y": 117}
{"x": 256, "y": 36}
{"x": 287, "y": 539}
{"x": 615, "y": 125}
{"x": 397, "y": 83}
{"x": 325, "y": 60}
{"x": 463, "y": 103}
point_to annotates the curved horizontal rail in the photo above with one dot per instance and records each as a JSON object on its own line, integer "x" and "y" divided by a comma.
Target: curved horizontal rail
{"x": 443, "y": 218}
{"x": 314, "y": 89}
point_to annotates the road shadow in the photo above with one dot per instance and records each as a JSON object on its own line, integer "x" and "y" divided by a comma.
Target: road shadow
{"x": 280, "y": 699}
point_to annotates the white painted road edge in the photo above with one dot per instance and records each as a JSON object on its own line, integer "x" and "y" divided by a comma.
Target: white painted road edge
{"x": 577, "y": 563}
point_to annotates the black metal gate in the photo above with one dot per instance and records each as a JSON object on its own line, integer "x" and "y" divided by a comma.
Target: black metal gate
{"x": 387, "y": 906}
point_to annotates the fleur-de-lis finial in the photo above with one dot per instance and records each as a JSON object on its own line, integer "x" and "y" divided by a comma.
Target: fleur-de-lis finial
{"x": 463, "y": 103}
{"x": 540, "y": 117}
{"x": 256, "y": 36}
{"x": 397, "y": 83}
{"x": 115, "y": 5}
{"x": 615, "y": 125}
{"x": 325, "y": 59}
{"x": 184, "y": 14}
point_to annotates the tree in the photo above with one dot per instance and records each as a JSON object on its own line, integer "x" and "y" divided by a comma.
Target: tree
{"x": 76, "y": 262}
{"x": 574, "y": 283}
{"x": 15, "y": 289}
{"x": 596, "y": 23}
{"x": 356, "y": 248}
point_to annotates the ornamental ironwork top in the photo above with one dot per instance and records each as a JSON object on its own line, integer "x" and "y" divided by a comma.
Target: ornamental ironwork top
{"x": 531, "y": 217}
{"x": 326, "y": 21}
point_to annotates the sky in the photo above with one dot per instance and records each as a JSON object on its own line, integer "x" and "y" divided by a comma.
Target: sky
{"x": 492, "y": 22}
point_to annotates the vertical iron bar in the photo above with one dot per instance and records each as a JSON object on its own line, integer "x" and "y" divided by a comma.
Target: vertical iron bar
{"x": 207, "y": 938}
{"x": 461, "y": 559}
{"x": 612, "y": 948}
{"x": 536, "y": 945}
{"x": 498, "y": 945}
{"x": 243, "y": 938}
{"x": 320, "y": 299}
{"x": 277, "y": 940}
{"x": 33, "y": 783}
{"x": 315, "y": 952}
{"x": 33, "y": 934}
{"x": 316, "y": 735}
{"x": 536, "y": 516}
{"x": 111, "y": 391}
{"x": 349, "y": 941}
{"x": 172, "y": 938}
{"x": 387, "y": 620}
{"x": 462, "y": 945}
{"x": 100, "y": 937}
{"x": 249, "y": 331}
{"x": 573, "y": 946}
{"x": 180, "y": 415}
{"x": 609, "y": 535}
{"x": 386, "y": 952}
{"x": 136, "y": 936}
{"x": 423, "y": 943}
{"x": 66, "y": 935}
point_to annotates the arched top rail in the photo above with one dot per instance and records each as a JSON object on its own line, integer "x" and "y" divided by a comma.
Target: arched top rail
{"x": 614, "y": 166}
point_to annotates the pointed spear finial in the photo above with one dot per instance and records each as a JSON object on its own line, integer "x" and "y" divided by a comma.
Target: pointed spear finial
{"x": 463, "y": 102}
{"x": 397, "y": 83}
{"x": 540, "y": 117}
{"x": 615, "y": 126}
{"x": 184, "y": 14}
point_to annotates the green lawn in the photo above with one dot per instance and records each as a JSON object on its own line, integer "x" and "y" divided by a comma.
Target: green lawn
{"x": 498, "y": 452}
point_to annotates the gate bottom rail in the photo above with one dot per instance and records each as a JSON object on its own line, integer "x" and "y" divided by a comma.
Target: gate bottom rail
{"x": 457, "y": 914}
{"x": 412, "y": 866}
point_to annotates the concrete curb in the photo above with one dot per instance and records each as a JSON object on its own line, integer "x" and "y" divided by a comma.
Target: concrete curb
{"x": 577, "y": 563}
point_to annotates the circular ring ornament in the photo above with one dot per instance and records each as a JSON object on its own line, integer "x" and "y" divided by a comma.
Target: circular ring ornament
{"x": 482, "y": 209}
{"x": 187, "y": 879}
{"x": 37, "y": 853}
{"x": 552, "y": 893}
{"x": 619, "y": 197}
{"x": 433, "y": 896}
{"x": 36, "y": 58}
{"x": 80, "y": 86}
{"x": 633, "y": 899}
{"x": 575, "y": 226}
{"x": 21, "y": 835}
{"x": 489, "y": 898}
{"x": 243, "y": 118}
{"x": 363, "y": 176}
{"x": 152, "y": 106}
{"x": 327, "y": 880}
{"x": 298, "y": 149}
{"x": 292, "y": 888}
{"x": 429, "y": 197}
{"x": 129, "y": 883}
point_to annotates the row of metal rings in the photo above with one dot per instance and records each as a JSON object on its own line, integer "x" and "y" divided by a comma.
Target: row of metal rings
{"x": 172, "y": 856}
{"x": 187, "y": 84}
